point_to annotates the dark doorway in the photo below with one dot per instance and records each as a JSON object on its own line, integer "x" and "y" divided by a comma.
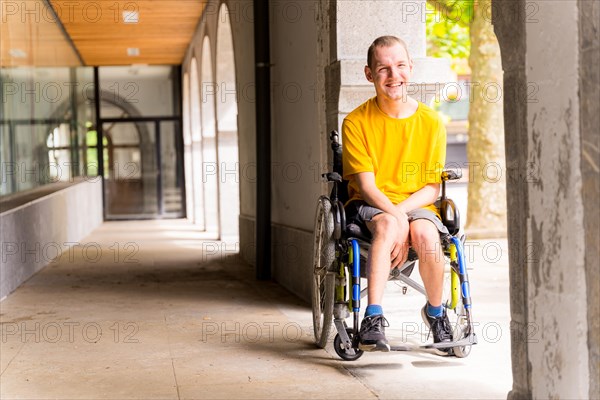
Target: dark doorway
{"x": 142, "y": 169}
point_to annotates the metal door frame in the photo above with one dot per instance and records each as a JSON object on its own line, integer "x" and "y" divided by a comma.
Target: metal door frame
{"x": 157, "y": 147}
{"x": 179, "y": 167}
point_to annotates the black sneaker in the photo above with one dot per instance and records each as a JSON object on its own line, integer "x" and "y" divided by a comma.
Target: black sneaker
{"x": 439, "y": 326}
{"x": 372, "y": 334}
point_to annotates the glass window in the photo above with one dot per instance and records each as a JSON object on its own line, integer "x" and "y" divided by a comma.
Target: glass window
{"x": 44, "y": 119}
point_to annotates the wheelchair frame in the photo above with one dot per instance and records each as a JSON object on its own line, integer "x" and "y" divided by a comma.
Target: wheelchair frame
{"x": 340, "y": 250}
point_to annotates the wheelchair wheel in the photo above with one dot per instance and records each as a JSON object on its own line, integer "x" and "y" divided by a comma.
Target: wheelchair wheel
{"x": 341, "y": 351}
{"x": 323, "y": 281}
{"x": 460, "y": 331}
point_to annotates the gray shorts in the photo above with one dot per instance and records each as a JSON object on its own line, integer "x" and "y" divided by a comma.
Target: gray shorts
{"x": 359, "y": 212}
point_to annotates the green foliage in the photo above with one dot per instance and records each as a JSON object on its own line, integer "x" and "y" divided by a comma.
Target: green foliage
{"x": 447, "y": 29}
{"x": 91, "y": 138}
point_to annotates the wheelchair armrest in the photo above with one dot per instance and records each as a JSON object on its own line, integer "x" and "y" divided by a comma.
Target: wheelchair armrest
{"x": 449, "y": 214}
{"x": 339, "y": 216}
{"x": 451, "y": 175}
{"x": 332, "y": 177}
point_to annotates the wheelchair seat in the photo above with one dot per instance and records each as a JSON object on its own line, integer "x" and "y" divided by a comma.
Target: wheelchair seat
{"x": 356, "y": 231}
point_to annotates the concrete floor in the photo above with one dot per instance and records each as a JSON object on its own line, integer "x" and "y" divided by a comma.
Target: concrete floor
{"x": 156, "y": 310}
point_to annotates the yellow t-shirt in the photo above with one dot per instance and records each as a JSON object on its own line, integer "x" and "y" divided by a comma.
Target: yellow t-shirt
{"x": 404, "y": 154}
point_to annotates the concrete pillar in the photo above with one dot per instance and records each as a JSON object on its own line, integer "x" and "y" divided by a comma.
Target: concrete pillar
{"x": 552, "y": 160}
{"x": 589, "y": 123}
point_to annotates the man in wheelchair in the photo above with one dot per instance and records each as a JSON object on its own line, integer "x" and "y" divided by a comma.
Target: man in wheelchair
{"x": 394, "y": 153}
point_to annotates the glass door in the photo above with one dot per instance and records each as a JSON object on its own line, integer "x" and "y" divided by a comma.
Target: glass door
{"x": 171, "y": 170}
{"x": 142, "y": 170}
{"x": 130, "y": 170}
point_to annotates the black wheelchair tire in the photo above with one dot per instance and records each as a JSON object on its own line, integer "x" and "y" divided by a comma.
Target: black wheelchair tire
{"x": 337, "y": 346}
{"x": 461, "y": 330}
{"x": 461, "y": 351}
{"x": 323, "y": 281}
{"x": 323, "y": 290}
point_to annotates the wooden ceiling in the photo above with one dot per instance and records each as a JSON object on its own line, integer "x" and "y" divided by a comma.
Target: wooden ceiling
{"x": 30, "y": 36}
{"x": 99, "y": 32}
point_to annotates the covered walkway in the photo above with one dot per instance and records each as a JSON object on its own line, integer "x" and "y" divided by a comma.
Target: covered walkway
{"x": 157, "y": 310}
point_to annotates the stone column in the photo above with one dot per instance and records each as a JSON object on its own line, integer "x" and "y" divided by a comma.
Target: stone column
{"x": 589, "y": 122}
{"x": 551, "y": 118}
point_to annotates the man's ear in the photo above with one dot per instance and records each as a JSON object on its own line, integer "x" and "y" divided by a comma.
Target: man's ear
{"x": 368, "y": 73}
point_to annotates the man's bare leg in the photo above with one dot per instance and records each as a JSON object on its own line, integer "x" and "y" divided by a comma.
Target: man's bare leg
{"x": 388, "y": 247}
{"x": 425, "y": 239}
{"x": 385, "y": 229}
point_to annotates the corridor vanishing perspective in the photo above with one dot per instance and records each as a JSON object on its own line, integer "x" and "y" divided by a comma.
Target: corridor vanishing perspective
{"x": 156, "y": 310}
{"x": 160, "y": 168}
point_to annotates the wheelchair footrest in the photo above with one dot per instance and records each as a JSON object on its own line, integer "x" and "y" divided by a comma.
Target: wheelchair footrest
{"x": 466, "y": 341}
{"x": 375, "y": 347}
{"x": 402, "y": 348}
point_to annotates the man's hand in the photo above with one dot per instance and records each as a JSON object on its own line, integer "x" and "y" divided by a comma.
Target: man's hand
{"x": 373, "y": 196}
{"x": 423, "y": 197}
{"x": 400, "y": 247}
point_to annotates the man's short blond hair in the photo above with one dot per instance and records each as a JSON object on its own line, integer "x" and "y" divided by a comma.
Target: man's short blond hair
{"x": 384, "y": 41}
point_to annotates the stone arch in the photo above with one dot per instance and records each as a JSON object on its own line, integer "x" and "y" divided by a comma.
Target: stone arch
{"x": 187, "y": 148}
{"x": 112, "y": 99}
{"x": 210, "y": 161}
{"x": 241, "y": 18}
{"x": 147, "y": 153}
{"x": 195, "y": 148}
{"x": 227, "y": 127}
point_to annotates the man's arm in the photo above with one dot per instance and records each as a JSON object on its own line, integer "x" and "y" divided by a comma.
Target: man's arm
{"x": 375, "y": 197}
{"x": 425, "y": 196}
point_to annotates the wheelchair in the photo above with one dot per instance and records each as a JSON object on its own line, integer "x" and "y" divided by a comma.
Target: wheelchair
{"x": 339, "y": 263}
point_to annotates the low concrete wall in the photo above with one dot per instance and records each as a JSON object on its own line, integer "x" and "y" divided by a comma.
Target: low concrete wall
{"x": 292, "y": 259}
{"x": 34, "y": 233}
{"x": 291, "y": 255}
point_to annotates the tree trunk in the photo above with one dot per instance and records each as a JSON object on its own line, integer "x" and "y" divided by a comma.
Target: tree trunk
{"x": 486, "y": 215}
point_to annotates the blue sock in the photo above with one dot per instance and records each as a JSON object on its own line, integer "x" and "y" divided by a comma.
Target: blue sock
{"x": 373, "y": 309}
{"x": 435, "y": 311}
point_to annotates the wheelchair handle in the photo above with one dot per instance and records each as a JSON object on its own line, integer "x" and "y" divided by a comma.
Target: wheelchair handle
{"x": 451, "y": 175}
{"x": 332, "y": 177}
{"x": 334, "y": 136}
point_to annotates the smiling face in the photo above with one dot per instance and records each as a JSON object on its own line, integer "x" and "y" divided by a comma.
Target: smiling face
{"x": 390, "y": 72}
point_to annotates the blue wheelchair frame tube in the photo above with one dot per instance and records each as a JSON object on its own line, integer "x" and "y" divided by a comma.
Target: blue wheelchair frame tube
{"x": 355, "y": 276}
{"x": 462, "y": 273}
